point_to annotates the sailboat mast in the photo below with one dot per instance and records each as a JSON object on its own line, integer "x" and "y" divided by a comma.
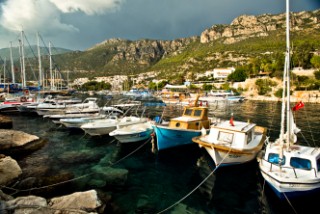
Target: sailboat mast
{"x": 39, "y": 62}
{"x": 23, "y": 62}
{"x": 51, "y": 76}
{"x": 12, "y": 67}
{"x": 288, "y": 72}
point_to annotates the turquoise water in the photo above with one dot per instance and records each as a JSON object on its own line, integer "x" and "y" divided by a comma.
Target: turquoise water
{"x": 157, "y": 181}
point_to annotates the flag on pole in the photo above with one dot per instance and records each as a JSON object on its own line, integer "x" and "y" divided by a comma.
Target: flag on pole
{"x": 298, "y": 106}
{"x": 231, "y": 120}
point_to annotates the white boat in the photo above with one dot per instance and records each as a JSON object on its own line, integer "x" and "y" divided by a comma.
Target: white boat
{"x": 133, "y": 133}
{"x": 76, "y": 123}
{"x": 232, "y": 142}
{"x": 55, "y": 118}
{"x": 50, "y": 107}
{"x": 292, "y": 170}
{"x": 222, "y": 95}
{"x": 105, "y": 126}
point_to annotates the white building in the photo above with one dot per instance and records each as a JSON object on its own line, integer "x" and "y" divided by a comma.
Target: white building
{"x": 219, "y": 73}
{"x": 222, "y": 73}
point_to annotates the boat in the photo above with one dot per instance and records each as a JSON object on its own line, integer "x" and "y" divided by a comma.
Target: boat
{"x": 291, "y": 169}
{"x": 77, "y": 122}
{"x": 10, "y": 105}
{"x": 107, "y": 125}
{"x": 180, "y": 130}
{"x": 58, "y": 106}
{"x": 133, "y": 133}
{"x": 222, "y": 95}
{"x": 232, "y": 142}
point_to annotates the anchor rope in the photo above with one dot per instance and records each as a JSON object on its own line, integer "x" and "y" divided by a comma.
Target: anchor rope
{"x": 77, "y": 178}
{"x": 194, "y": 189}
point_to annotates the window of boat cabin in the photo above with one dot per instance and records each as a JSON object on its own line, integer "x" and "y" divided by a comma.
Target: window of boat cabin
{"x": 188, "y": 112}
{"x": 318, "y": 164}
{"x": 300, "y": 163}
{"x": 225, "y": 137}
{"x": 274, "y": 158}
{"x": 197, "y": 112}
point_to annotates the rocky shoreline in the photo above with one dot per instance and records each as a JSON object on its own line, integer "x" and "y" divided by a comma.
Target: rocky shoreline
{"x": 17, "y": 143}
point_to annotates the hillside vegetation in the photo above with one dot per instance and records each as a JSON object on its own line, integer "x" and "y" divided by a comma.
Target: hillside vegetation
{"x": 255, "y": 43}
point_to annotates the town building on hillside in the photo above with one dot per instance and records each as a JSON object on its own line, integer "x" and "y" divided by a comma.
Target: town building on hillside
{"x": 220, "y": 73}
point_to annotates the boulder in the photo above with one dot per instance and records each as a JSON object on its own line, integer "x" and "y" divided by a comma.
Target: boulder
{"x": 28, "y": 204}
{"x": 82, "y": 201}
{"x": 14, "y": 142}
{"x": 9, "y": 170}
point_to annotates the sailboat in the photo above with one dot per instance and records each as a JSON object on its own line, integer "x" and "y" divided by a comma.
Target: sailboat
{"x": 292, "y": 170}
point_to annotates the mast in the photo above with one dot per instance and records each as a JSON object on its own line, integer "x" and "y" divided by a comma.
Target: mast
{"x": 39, "y": 62}
{"x": 23, "y": 63}
{"x": 288, "y": 73}
{"x": 12, "y": 67}
{"x": 51, "y": 76}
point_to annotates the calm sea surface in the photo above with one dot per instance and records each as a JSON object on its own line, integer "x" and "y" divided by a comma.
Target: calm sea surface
{"x": 157, "y": 181}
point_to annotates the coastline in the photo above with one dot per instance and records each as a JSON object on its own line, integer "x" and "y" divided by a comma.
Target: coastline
{"x": 297, "y": 96}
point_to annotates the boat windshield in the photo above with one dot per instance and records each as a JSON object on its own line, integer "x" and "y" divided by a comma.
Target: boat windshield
{"x": 197, "y": 112}
{"x": 188, "y": 112}
{"x": 300, "y": 163}
{"x": 274, "y": 158}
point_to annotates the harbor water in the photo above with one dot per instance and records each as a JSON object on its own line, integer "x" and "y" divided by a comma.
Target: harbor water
{"x": 161, "y": 182}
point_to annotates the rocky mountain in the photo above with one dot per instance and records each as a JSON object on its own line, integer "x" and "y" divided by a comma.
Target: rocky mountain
{"x": 246, "y": 26}
{"x": 247, "y": 37}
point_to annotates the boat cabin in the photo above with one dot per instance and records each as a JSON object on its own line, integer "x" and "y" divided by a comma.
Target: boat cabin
{"x": 193, "y": 117}
{"x": 308, "y": 159}
{"x": 238, "y": 134}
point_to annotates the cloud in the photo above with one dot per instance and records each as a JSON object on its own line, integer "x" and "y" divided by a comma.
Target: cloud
{"x": 32, "y": 15}
{"x": 89, "y": 7}
{"x": 46, "y": 15}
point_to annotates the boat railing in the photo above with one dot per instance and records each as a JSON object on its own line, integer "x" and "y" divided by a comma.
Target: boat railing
{"x": 277, "y": 167}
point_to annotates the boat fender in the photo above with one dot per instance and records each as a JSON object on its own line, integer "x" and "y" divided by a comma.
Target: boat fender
{"x": 153, "y": 148}
{"x": 23, "y": 99}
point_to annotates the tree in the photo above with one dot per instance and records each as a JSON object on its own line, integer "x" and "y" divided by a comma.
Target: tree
{"x": 317, "y": 74}
{"x": 315, "y": 61}
{"x": 239, "y": 75}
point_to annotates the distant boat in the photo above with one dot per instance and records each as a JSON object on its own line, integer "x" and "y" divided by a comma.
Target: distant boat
{"x": 180, "y": 130}
{"x": 291, "y": 170}
{"x": 232, "y": 142}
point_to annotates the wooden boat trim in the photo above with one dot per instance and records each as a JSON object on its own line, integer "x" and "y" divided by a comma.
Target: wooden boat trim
{"x": 233, "y": 150}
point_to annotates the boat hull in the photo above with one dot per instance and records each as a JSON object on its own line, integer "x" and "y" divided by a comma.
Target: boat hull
{"x": 170, "y": 137}
{"x": 285, "y": 184}
{"x": 226, "y": 158}
{"x": 134, "y": 137}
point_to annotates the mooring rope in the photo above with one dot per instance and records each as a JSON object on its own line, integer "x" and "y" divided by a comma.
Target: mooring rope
{"x": 77, "y": 178}
{"x": 289, "y": 203}
{"x": 194, "y": 189}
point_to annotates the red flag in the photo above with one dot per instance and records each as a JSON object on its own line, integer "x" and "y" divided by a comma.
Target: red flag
{"x": 298, "y": 106}
{"x": 231, "y": 121}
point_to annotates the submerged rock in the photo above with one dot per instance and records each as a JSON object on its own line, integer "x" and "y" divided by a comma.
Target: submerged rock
{"x": 5, "y": 122}
{"x": 110, "y": 176}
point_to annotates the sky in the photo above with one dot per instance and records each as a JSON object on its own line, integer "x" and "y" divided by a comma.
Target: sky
{"x": 80, "y": 24}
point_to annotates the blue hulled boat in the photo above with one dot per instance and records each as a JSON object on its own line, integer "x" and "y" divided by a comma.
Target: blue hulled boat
{"x": 180, "y": 130}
